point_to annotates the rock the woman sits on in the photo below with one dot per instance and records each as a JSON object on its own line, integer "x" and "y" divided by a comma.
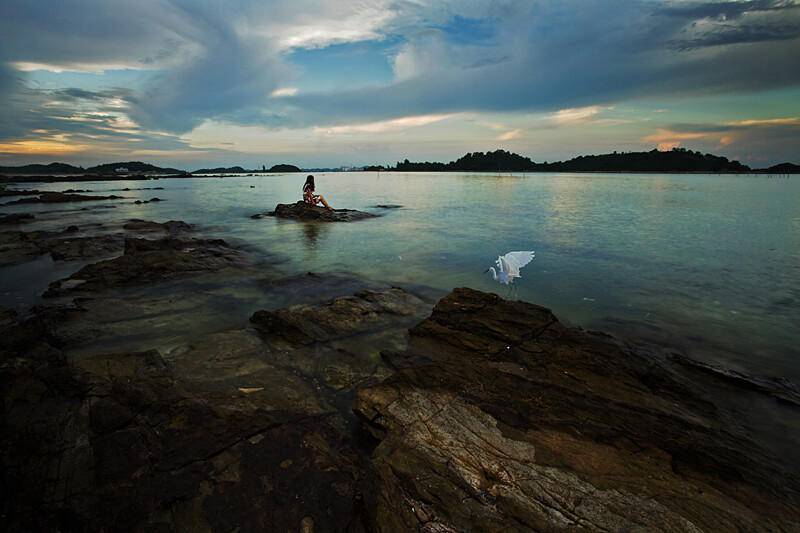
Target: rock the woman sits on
{"x": 308, "y": 194}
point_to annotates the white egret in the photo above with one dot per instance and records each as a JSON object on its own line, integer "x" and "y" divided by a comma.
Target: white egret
{"x": 509, "y": 265}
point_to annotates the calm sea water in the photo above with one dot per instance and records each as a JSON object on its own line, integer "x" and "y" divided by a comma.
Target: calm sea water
{"x": 707, "y": 264}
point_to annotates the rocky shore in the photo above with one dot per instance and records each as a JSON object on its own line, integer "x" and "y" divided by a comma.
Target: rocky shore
{"x": 175, "y": 383}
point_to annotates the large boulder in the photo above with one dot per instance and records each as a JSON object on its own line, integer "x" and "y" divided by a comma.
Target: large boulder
{"x": 305, "y": 211}
{"x": 501, "y": 418}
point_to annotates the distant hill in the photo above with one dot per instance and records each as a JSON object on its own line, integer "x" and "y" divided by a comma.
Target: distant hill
{"x": 130, "y": 167}
{"x": 676, "y": 160}
{"x": 284, "y": 168}
{"x": 221, "y": 170}
{"x": 52, "y": 168}
{"x": 783, "y": 168}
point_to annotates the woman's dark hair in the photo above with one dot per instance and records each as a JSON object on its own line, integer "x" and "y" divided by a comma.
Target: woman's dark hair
{"x": 309, "y": 183}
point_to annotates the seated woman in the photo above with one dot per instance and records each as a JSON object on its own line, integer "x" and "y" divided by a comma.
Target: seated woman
{"x": 308, "y": 194}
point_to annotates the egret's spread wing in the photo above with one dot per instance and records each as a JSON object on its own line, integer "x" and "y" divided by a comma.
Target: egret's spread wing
{"x": 514, "y": 261}
{"x": 509, "y": 269}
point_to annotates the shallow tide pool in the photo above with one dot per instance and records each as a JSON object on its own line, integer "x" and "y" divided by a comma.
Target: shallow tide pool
{"x": 706, "y": 264}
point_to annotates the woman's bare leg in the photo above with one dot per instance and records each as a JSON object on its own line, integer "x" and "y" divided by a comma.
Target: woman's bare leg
{"x": 324, "y": 202}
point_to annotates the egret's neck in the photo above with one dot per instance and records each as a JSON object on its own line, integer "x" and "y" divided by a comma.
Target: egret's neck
{"x": 494, "y": 273}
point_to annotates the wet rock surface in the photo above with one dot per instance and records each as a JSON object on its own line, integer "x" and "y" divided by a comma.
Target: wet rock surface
{"x": 339, "y": 342}
{"x": 234, "y": 430}
{"x": 305, "y": 211}
{"x": 170, "y": 226}
{"x": 18, "y": 192}
{"x": 151, "y": 261}
{"x": 72, "y": 243}
{"x": 121, "y": 442}
{"x": 151, "y": 200}
{"x": 16, "y": 218}
{"x": 20, "y": 246}
{"x": 499, "y": 417}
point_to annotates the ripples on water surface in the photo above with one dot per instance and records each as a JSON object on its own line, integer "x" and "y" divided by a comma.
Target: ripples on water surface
{"x": 707, "y": 264}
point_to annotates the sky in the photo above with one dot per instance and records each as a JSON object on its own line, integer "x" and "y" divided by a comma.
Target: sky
{"x": 327, "y": 83}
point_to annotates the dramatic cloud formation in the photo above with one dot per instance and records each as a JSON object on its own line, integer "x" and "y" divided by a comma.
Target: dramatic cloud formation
{"x": 93, "y": 79}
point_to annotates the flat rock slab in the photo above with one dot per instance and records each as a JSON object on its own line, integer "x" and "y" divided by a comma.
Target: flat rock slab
{"x": 151, "y": 261}
{"x": 125, "y": 441}
{"x": 304, "y": 211}
{"x": 231, "y": 430}
{"x": 21, "y": 246}
{"x": 499, "y": 417}
{"x": 70, "y": 244}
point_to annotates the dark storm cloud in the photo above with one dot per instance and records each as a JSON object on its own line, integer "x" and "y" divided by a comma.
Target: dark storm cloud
{"x": 727, "y": 10}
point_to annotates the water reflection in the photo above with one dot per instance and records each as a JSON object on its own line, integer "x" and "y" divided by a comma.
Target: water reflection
{"x": 313, "y": 231}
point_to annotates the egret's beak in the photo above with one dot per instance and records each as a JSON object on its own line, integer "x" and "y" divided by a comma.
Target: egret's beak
{"x": 485, "y": 271}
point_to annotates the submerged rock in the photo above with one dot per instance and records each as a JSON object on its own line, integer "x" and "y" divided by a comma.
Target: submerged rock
{"x": 151, "y": 261}
{"x": 171, "y": 226}
{"x": 86, "y": 247}
{"x": 58, "y": 197}
{"x": 16, "y": 218}
{"x": 500, "y": 417}
{"x": 20, "y": 246}
{"x": 18, "y": 192}
{"x": 156, "y": 199}
{"x": 305, "y": 211}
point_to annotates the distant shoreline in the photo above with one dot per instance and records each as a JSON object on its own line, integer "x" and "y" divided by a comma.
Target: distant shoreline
{"x": 675, "y": 161}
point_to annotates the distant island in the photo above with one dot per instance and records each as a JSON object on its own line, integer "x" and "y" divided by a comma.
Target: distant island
{"x": 125, "y": 167}
{"x": 221, "y": 170}
{"x": 675, "y": 160}
{"x": 242, "y": 170}
{"x": 284, "y": 168}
